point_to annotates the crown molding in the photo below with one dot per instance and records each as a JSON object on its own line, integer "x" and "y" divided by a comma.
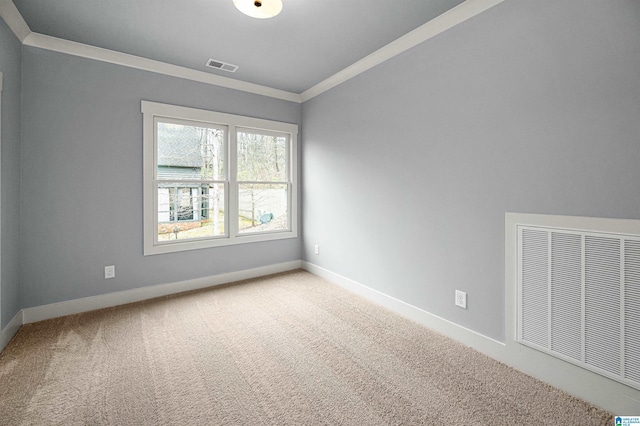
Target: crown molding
{"x": 111, "y": 56}
{"x": 10, "y": 14}
{"x": 440, "y": 24}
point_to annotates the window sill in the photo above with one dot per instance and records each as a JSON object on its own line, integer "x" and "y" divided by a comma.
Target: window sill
{"x": 186, "y": 245}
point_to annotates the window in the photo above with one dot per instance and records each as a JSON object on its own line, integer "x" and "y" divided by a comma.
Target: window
{"x": 214, "y": 179}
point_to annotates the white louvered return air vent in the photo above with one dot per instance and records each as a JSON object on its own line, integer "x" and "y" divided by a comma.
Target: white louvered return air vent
{"x": 219, "y": 65}
{"x": 579, "y": 298}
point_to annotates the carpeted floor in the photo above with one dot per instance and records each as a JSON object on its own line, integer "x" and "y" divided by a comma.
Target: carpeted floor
{"x": 287, "y": 349}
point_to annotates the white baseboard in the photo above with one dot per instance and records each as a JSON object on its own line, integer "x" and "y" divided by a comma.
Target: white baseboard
{"x": 10, "y": 330}
{"x": 76, "y": 306}
{"x": 614, "y": 397}
{"x": 464, "y": 335}
{"x": 608, "y": 394}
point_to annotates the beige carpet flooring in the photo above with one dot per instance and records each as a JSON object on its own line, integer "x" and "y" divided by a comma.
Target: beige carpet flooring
{"x": 287, "y": 349}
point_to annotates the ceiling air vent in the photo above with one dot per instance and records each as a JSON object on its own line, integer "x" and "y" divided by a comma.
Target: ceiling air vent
{"x": 213, "y": 63}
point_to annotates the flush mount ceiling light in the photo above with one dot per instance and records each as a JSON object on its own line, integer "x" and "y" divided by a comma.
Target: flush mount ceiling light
{"x": 260, "y": 9}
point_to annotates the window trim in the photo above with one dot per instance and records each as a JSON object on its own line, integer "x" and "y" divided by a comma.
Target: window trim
{"x": 153, "y": 110}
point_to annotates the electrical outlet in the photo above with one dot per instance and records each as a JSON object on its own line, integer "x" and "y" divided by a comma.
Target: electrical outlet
{"x": 316, "y": 249}
{"x": 109, "y": 272}
{"x": 461, "y": 299}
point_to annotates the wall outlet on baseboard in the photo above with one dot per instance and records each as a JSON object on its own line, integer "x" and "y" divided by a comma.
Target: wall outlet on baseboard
{"x": 109, "y": 272}
{"x": 316, "y": 249}
{"x": 461, "y": 299}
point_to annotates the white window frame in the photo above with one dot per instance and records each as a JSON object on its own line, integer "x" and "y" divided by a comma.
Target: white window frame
{"x": 1, "y": 79}
{"x": 152, "y": 111}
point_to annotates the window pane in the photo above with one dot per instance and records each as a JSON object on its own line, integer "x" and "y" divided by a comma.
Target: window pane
{"x": 262, "y": 158}
{"x": 263, "y": 207}
{"x": 189, "y": 152}
{"x": 190, "y": 211}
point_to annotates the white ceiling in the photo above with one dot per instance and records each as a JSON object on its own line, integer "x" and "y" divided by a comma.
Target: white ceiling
{"x": 307, "y": 43}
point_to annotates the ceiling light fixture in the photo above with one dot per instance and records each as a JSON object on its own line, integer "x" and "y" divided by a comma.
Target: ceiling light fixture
{"x": 260, "y": 9}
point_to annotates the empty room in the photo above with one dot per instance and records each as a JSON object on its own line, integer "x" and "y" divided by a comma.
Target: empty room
{"x": 241, "y": 212}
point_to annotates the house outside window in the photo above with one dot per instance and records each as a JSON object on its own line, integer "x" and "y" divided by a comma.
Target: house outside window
{"x": 190, "y": 176}
{"x": 214, "y": 179}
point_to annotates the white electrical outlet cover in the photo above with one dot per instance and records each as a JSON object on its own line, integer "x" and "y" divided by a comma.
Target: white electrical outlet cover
{"x": 109, "y": 272}
{"x": 461, "y": 299}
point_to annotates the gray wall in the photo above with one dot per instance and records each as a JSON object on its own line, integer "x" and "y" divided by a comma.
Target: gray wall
{"x": 81, "y": 168}
{"x": 409, "y": 168}
{"x": 10, "y": 61}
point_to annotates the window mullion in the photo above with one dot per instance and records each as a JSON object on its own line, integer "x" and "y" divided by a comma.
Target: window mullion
{"x": 233, "y": 205}
{"x": 187, "y": 182}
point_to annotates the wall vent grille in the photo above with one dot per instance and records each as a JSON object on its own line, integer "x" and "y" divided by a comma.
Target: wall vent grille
{"x": 579, "y": 298}
{"x": 219, "y": 65}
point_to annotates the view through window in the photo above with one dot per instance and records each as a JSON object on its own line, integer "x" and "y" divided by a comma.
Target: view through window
{"x": 190, "y": 180}
{"x": 262, "y": 181}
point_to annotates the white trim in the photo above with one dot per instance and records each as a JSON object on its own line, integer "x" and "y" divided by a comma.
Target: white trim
{"x": 151, "y": 111}
{"x": 576, "y": 223}
{"x": 179, "y": 112}
{"x": 437, "y": 25}
{"x": 434, "y": 322}
{"x": 1, "y": 82}
{"x": 606, "y": 393}
{"x": 10, "y": 330}
{"x": 70, "y": 307}
{"x": 591, "y": 387}
{"x": 447, "y": 20}
{"x": 10, "y": 14}
{"x": 111, "y": 56}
